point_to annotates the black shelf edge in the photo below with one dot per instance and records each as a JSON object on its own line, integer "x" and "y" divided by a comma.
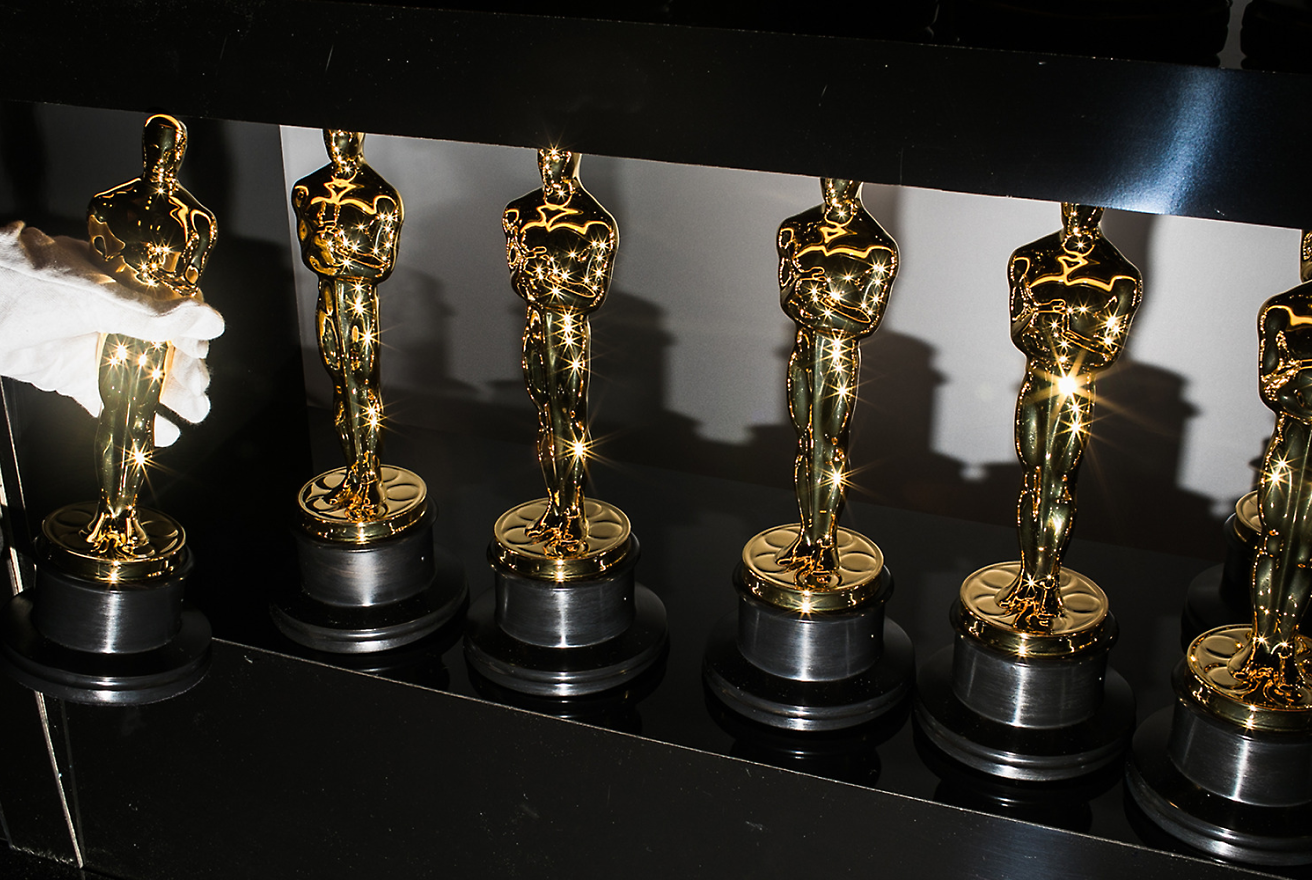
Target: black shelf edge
{"x": 381, "y": 777}
{"x": 1140, "y": 136}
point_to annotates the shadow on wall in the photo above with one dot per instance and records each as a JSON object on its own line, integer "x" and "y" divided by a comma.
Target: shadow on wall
{"x": 1127, "y": 492}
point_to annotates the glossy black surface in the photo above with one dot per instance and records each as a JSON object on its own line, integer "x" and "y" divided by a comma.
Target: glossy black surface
{"x": 1142, "y": 136}
{"x": 321, "y": 772}
{"x": 311, "y": 765}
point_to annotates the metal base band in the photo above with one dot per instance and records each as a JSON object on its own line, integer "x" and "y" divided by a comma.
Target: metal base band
{"x": 1220, "y": 826}
{"x": 1036, "y": 754}
{"x": 356, "y": 599}
{"x": 807, "y": 705}
{"x": 105, "y": 678}
{"x": 562, "y": 670}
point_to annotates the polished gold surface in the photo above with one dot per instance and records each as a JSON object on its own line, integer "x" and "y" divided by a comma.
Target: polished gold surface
{"x": 519, "y": 544}
{"x": 1081, "y": 623}
{"x": 1248, "y": 517}
{"x": 1073, "y": 296}
{"x": 1282, "y": 584}
{"x": 66, "y": 534}
{"x": 403, "y": 502}
{"x": 1252, "y": 703}
{"x": 152, "y": 235}
{"x": 560, "y": 247}
{"x": 348, "y": 220}
{"x": 853, "y": 581}
{"x": 836, "y": 268}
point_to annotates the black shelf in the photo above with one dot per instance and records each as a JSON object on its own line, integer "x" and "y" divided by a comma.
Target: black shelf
{"x": 1140, "y": 136}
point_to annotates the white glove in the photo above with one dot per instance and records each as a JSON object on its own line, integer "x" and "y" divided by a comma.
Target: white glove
{"x": 55, "y": 304}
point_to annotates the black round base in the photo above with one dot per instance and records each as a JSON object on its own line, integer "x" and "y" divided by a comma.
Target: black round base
{"x": 544, "y": 671}
{"x": 792, "y": 704}
{"x": 1212, "y": 601}
{"x": 1219, "y": 826}
{"x": 1024, "y": 753}
{"x": 110, "y": 679}
{"x": 359, "y": 629}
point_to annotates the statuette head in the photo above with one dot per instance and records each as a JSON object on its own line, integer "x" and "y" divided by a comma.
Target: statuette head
{"x": 163, "y": 145}
{"x": 839, "y": 193}
{"x": 1079, "y": 226}
{"x": 345, "y": 149}
{"x": 559, "y": 169}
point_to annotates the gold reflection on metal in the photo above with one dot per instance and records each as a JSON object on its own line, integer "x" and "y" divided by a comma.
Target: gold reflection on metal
{"x": 560, "y": 248}
{"x": 1248, "y": 518}
{"x": 1271, "y": 662}
{"x": 405, "y": 502}
{"x": 1215, "y": 660}
{"x": 1073, "y": 296}
{"x": 518, "y": 544}
{"x": 152, "y": 235}
{"x": 348, "y": 220}
{"x": 836, "y": 269}
{"x": 68, "y": 529}
{"x": 853, "y": 581}
{"x": 1081, "y": 623}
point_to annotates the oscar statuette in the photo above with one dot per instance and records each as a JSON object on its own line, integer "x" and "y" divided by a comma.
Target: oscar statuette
{"x": 809, "y": 648}
{"x": 372, "y": 578}
{"x": 1024, "y": 692}
{"x": 1228, "y": 768}
{"x": 105, "y": 621}
{"x": 565, "y": 617}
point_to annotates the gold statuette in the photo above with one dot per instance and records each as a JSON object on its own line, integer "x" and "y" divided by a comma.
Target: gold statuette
{"x": 348, "y": 220}
{"x": 1073, "y": 296}
{"x": 836, "y": 268}
{"x": 1259, "y": 675}
{"x": 153, "y": 236}
{"x": 560, "y": 248}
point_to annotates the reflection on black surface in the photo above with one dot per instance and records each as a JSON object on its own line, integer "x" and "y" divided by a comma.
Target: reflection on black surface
{"x": 418, "y": 663}
{"x": 846, "y": 755}
{"x": 1152, "y": 835}
{"x": 1055, "y": 804}
{"x": 615, "y": 709}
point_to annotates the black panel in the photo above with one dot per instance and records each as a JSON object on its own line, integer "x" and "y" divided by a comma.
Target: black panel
{"x": 1142, "y": 136}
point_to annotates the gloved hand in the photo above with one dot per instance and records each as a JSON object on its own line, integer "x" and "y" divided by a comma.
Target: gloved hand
{"x": 55, "y": 306}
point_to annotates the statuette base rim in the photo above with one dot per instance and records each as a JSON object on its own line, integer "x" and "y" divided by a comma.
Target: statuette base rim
{"x": 363, "y": 629}
{"x": 526, "y": 557}
{"x": 1207, "y": 822}
{"x": 1027, "y": 754}
{"x": 1231, "y": 707}
{"x": 406, "y": 514}
{"x": 855, "y": 587}
{"x": 1093, "y": 631}
{"x": 58, "y": 545}
{"x": 808, "y": 706}
{"x": 107, "y": 679}
{"x": 541, "y": 671}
